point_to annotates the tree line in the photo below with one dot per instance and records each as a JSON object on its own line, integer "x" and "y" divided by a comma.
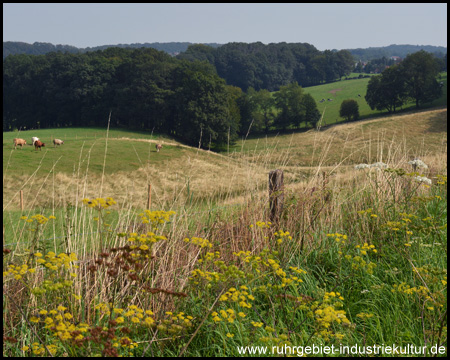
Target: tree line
{"x": 42, "y": 48}
{"x": 274, "y": 65}
{"x": 415, "y": 78}
{"x": 378, "y": 65}
{"x": 145, "y": 89}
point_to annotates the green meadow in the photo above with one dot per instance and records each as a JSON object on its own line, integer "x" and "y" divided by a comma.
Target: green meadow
{"x": 82, "y": 147}
{"x": 350, "y": 89}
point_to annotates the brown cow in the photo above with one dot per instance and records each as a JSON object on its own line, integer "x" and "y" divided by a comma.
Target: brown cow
{"x": 20, "y": 142}
{"x": 158, "y": 147}
{"x": 38, "y": 144}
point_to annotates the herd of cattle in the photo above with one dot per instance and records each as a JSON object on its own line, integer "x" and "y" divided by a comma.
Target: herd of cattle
{"x": 36, "y": 142}
{"x": 39, "y": 144}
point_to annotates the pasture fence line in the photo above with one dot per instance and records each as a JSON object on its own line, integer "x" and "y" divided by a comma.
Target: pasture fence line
{"x": 21, "y": 200}
{"x": 276, "y": 194}
{"x": 121, "y": 228}
{"x": 149, "y": 196}
{"x": 275, "y": 201}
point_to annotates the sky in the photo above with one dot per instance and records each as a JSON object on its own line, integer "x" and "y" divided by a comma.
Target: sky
{"x": 326, "y": 26}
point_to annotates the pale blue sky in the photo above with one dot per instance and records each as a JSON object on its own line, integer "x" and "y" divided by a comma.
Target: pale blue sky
{"x": 326, "y": 26}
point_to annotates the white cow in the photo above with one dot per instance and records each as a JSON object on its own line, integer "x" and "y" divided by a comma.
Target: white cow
{"x": 34, "y": 139}
{"x": 57, "y": 142}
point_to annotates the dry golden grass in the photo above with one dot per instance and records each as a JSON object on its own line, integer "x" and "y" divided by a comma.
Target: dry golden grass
{"x": 198, "y": 175}
{"x": 421, "y": 133}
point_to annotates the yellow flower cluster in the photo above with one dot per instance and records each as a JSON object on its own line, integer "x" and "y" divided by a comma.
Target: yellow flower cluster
{"x": 156, "y": 217}
{"x": 60, "y": 323}
{"x": 254, "y": 260}
{"x": 262, "y": 224}
{"x": 52, "y": 262}
{"x": 242, "y": 296}
{"x": 339, "y": 238}
{"x": 209, "y": 276}
{"x": 257, "y": 324}
{"x": 55, "y": 262}
{"x": 125, "y": 342}
{"x": 442, "y": 179}
{"x": 279, "y": 341}
{"x": 99, "y": 203}
{"x": 369, "y": 212}
{"x": 228, "y": 315}
{"x": 39, "y": 349}
{"x": 282, "y": 235}
{"x": 175, "y": 324}
{"x": 38, "y": 218}
{"x": 149, "y": 237}
{"x": 326, "y": 313}
{"x": 266, "y": 261}
{"x": 401, "y": 225}
{"x": 359, "y": 263}
{"x": 433, "y": 276}
{"x": 132, "y": 314}
{"x": 18, "y": 271}
{"x": 365, "y": 248}
{"x": 199, "y": 241}
{"x": 209, "y": 256}
{"x": 364, "y": 315}
{"x": 404, "y": 288}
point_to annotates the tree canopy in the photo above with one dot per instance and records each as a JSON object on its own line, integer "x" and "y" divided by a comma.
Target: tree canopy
{"x": 143, "y": 88}
{"x": 414, "y": 78}
{"x": 274, "y": 65}
{"x": 349, "y": 110}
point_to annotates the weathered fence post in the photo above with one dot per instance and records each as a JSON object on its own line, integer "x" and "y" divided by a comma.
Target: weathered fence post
{"x": 276, "y": 194}
{"x": 21, "y": 200}
{"x": 149, "y": 198}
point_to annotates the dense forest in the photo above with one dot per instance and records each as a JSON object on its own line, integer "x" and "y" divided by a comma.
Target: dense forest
{"x": 144, "y": 89}
{"x": 270, "y": 66}
{"x": 372, "y": 53}
{"x": 42, "y": 48}
{"x": 174, "y": 48}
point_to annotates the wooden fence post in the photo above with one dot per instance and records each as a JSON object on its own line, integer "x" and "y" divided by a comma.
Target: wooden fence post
{"x": 21, "y": 200}
{"x": 276, "y": 194}
{"x": 149, "y": 198}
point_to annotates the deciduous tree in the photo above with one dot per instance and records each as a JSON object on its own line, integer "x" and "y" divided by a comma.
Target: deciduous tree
{"x": 349, "y": 110}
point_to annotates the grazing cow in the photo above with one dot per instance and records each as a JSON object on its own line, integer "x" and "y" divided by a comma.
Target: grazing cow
{"x": 38, "y": 144}
{"x": 57, "y": 142}
{"x": 33, "y": 139}
{"x": 20, "y": 142}
{"x": 158, "y": 147}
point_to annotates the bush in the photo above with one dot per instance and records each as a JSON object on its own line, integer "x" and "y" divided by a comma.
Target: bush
{"x": 349, "y": 110}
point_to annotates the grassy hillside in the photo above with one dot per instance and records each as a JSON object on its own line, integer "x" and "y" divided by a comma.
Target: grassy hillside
{"x": 349, "y": 89}
{"x": 417, "y": 134}
{"x": 358, "y": 257}
{"x": 79, "y": 168}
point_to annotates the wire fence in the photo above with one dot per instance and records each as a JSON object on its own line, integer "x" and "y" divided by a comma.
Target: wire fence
{"x": 216, "y": 208}
{"x": 276, "y": 191}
